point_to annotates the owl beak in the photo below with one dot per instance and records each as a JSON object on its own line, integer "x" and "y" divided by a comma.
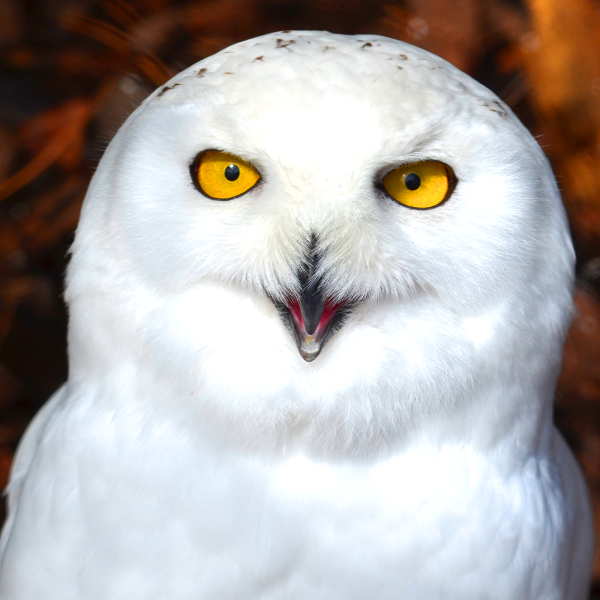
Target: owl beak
{"x": 312, "y": 317}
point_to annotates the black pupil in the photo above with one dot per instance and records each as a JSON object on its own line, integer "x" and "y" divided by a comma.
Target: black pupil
{"x": 412, "y": 181}
{"x": 232, "y": 172}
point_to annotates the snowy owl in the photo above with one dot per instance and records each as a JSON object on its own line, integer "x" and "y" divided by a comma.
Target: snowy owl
{"x": 318, "y": 297}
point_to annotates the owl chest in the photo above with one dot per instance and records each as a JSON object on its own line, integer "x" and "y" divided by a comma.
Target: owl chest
{"x": 170, "y": 521}
{"x": 295, "y": 528}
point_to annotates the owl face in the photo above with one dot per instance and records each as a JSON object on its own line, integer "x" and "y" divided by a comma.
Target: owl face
{"x": 323, "y": 238}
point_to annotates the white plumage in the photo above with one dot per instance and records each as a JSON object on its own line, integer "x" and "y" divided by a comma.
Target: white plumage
{"x": 194, "y": 454}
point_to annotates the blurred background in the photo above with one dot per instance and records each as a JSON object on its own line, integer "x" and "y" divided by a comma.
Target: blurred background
{"x": 72, "y": 70}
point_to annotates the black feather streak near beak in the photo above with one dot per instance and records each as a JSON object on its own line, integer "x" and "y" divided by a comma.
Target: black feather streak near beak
{"x": 311, "y": 303}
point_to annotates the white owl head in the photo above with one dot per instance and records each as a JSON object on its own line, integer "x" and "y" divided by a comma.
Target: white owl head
{"x": 450, "y": 316}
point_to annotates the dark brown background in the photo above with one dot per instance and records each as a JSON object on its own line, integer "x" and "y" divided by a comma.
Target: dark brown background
{"x": 71, "y": 71}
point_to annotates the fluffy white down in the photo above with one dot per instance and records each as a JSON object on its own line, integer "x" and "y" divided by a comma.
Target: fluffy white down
{"x": 193, "y": 454}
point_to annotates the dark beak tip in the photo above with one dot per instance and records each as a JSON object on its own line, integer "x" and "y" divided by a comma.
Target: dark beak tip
{"x": 311, "y": 326}
{"x": 312, "y": 308}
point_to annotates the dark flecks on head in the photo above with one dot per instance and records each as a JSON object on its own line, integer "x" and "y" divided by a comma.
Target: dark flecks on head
{"x": 287, "y": 31}
{"x": 227, "y": 73}
{"x": 201, "y": 72}
{"x": 403, "y": 56}
{"x": 284, "y": 43}
{"x": 496, "y": 107}
{"x": 329, "y": 48}
{"x": 399, "y": 67}
{"x": 500, "y": 109}
{"x": 166, "y": 89}
{"x": 258, "y": 58}
{"x": 367, "y": 45}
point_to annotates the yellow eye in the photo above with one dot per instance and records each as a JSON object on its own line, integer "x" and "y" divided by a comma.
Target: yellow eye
{"x": 420, "y": 185}
{"x": 223, "y": 176}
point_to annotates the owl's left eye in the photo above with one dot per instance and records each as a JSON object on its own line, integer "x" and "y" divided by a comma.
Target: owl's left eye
{"x": 420, "y": 185}
{"x": 223, "y": 176}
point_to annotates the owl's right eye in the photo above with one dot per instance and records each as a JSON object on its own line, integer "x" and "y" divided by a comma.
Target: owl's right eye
{"x": 223, "y": 176}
